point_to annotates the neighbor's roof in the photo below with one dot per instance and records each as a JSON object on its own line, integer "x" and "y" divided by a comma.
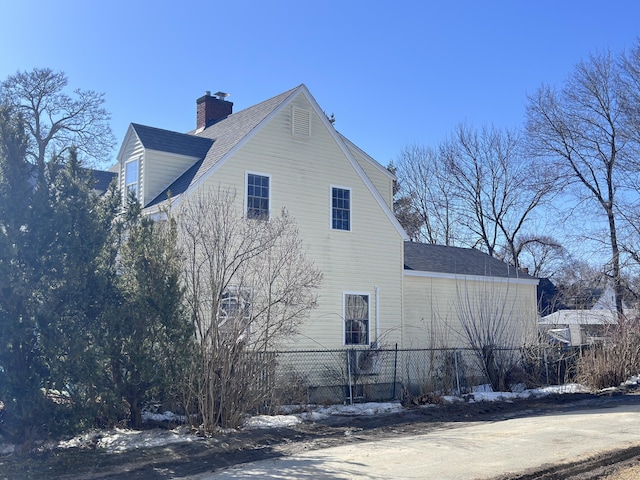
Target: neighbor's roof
{"x": 457, "y": 261}
{"x": 102, "y": 180}
{"x": 222, "y": 137}
{"x": 579, "y": 317}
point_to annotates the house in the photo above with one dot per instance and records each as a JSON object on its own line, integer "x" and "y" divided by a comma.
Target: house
{"x": 284, "y": 152}
{"x": 584, "y": 326}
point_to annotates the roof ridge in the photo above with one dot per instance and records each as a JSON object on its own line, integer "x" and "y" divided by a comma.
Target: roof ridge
{"x": 225, "y": 136}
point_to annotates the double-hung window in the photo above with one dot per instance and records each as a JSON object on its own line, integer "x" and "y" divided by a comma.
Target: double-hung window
{"x": 258, "y": 187}
{"x": 356, "y": 319}
{"x": 340, "y": 208}
{"x": 131, "y": 173}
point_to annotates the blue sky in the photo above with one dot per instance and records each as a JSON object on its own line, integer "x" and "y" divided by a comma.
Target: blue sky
{"x": 393, "y": 73}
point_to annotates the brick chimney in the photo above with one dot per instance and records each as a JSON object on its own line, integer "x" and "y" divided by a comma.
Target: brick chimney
{"x": 212, "y": 109}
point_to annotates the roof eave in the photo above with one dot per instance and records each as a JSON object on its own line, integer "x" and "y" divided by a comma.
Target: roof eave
{"x": 471, "y": 278}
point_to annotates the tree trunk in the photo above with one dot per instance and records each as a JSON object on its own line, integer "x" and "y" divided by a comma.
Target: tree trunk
{"x": 615, "y": 261}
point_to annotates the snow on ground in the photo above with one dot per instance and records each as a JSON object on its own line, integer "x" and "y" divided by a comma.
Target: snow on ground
{"x": 120, "y": 440}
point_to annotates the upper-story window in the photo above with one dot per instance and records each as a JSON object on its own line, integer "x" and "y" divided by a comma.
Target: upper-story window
{"x": 131, "y": 177}
{"x": 258, "y": 195}
{"x": 340, "y": 208}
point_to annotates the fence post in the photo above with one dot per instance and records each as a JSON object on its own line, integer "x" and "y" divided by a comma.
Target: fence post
{"x": 395, "y": 371}
{"x": 455, "y": 362}
{"x": 546, "y": 363}
{"x": 349, "y": 356}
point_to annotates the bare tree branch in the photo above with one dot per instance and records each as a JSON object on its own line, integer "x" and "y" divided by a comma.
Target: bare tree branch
{"x": 57, "y": 121}
{"x": 249, "y": 285}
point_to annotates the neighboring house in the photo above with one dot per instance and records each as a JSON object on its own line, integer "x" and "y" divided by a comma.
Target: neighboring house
{"x": 549, "y": 298}
{"x": 585, "y": 326}
{"x": 102, "y": 180}
{"x": 378, "y": 288}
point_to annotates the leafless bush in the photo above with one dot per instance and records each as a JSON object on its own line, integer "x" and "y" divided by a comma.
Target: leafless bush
{"x": 248, "y": 285}
{"x": 546, "y": 364}
{"x": 615, "y": 360}
{"x": 495, "y": 330}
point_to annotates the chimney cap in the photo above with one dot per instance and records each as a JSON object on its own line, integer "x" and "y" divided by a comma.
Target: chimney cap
{"x": 221, "y": 95}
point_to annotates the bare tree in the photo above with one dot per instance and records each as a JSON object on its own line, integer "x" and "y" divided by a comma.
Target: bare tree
{"x": 580, "y": 129}
{"x": 629, "y": 81}
{"x": 424, "y": 183}
{"x": 248, "y": 285}
{"x": 497, "y": 186}
{"x": 580, "y": 283}
{"x": 545, "y": 255}
{"x": 492, "y": 326}
{"x": 55, "y": 120}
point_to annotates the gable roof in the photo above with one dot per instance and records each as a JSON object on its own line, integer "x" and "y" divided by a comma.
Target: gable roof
{"x": 229, "y": 134}
{"x": 224, "y": 136}
{"x": 456, "y": 261}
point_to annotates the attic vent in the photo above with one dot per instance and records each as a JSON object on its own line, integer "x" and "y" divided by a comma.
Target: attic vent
{"x": 301, "y": 123}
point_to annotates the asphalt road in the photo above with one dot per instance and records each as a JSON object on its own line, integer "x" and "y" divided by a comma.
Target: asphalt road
{"x": 482, "y": 450}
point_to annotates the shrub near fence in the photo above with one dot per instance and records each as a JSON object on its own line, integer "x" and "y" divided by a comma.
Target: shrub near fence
{"x": 367, "y": 375}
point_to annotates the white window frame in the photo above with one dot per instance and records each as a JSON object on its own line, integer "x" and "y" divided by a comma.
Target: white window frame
{"x": 331, "y": 187}
{"x": 127, "y": 184}
{"x": 243, "y": 295}
{"x": 344, "y": 319}
{"x": 246, "y": 192}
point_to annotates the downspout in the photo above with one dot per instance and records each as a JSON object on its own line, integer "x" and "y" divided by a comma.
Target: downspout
{"x": 377, "y": 290}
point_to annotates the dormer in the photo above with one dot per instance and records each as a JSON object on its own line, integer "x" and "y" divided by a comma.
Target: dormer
{"x": 151, "y": 159}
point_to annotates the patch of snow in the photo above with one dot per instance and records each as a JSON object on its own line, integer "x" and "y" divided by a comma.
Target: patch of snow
{"x": 163, "y": 417}
{"x": 271, "y": 421}
{"x": 451, "y": 399}
{"x": 497, "y": 396}
{"x": 369, "y": 408}
{"x": 119, "y": 440}
{"x": 7, "y": 448}
{"x": 554, "y": 389}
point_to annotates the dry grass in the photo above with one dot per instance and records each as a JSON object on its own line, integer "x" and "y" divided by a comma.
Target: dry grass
{"x": 616, "y": 360}
{"x": 628, "y": 473}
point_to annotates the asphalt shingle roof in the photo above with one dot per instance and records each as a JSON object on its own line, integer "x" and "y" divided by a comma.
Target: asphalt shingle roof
{"x": 455, "y": 260}
{"x": 102, "y": 179}
{"x": 172, "y": 142}
{"x": 222, "y": 136}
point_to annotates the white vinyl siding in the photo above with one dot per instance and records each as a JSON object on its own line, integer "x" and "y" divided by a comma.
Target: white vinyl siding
{"x": 132, "y": 150}
{"x": 379, "y": 176}
{"x": 156, "y": 170}
{"x": 301, "y": 173}
{"x": 161, "y": 169}
{"x": 434, "y": 307}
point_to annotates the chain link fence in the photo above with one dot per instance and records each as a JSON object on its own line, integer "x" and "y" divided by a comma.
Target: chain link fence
{"x": 374, "y": 375}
